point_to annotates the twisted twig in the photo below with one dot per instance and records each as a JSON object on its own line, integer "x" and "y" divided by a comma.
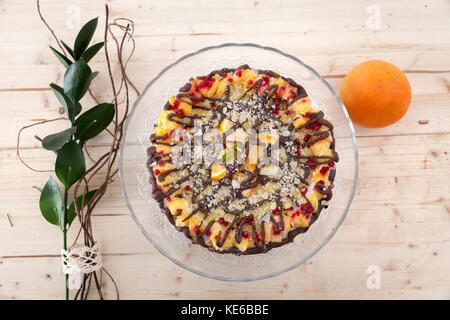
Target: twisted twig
{"x": 107, "y": 161}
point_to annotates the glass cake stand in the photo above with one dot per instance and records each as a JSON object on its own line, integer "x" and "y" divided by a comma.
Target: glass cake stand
{"x": 154, "y": 224}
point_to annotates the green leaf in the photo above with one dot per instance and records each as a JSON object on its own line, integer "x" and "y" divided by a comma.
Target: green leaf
{"x": 51, "y": 203}
{"x": 68, "y": 49}
{"x": 93, "y": 75}
{"x": 94, "y": 121}
{"x": 92, "y": 51}
{"x": 55, "y": 141}
{"x": 70, "y": 164}
{"x": 64, "y": 60}
{"x": 71, "y": 110}
{"x": 71, "y": 214}
{"x": 84, "y": 37}
{"x": 77, "y": 80}
{"x": 37, "y": 188}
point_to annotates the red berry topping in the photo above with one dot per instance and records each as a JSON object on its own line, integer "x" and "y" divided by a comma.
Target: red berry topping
{"x": 160, "y": 152}
{"x": 292, "y": 93}
{"x": 157, "y": 172}
{"x": 306, "y": 208}
{"x": 311, "y": 160}
{"x": 331, "y": 164}
{"x": 314, "y": 126}
{"x": 309, "y": 115}
{"x": 208, "y": 233}
{"x": 299, "y": 152}
{"x": 239, "y": 73}
{"x": 324, "y": 170}
{"x": 249, "y": 220}
{"x": 320, "y": 185}
{"x": 176, "y": 103}
{"x": 250, "y": 82}
{"x": 289, "y": 209}
{"x": 223, "y": 221}
{"x": 276, "y": 211}
{"x": 258, "y": 237}
{"x": 205, "y": 83}
{"x": 187, "y": 188}
{"x": 179, "y": 112}
{"x": 230, "y": 79}
{"x": 307, "y": 138}
{"x": 297, "y": 143}
{"x": 213, "y": 104}
{"x": 245, "y": 234}
{"x": 169, "y": 199}
{"x": 304, "y": 189}
{"x": 278, "y": 227}
{"x": 287, "y": 111}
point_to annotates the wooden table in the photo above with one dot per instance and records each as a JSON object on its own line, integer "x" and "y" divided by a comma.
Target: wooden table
{"x": 399, "y": 221}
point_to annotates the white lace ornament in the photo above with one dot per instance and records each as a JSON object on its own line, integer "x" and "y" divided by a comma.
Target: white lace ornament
{"x": 80, "y": 259}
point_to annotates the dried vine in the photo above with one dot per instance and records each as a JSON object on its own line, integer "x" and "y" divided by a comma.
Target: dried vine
{"x": 105, "y": 166}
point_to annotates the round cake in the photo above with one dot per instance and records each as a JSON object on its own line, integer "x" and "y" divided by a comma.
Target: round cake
{"x": 241, "y": 161}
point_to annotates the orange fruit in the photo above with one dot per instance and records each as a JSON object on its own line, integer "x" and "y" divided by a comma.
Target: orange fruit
{"x": 218, "y": 171}
{"x": 376, "y": 94}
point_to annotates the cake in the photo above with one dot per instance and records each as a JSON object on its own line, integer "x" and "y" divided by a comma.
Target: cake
{"x": 241, "y": 161}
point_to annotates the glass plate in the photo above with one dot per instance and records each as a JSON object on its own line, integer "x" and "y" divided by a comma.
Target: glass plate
{"x": 135, "y": 178}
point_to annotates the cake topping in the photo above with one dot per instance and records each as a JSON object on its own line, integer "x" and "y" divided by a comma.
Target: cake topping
{"x": 236, "y": 151}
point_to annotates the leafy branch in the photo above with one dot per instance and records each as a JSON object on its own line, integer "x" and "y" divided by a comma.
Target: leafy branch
{"x": 70, "y": 165}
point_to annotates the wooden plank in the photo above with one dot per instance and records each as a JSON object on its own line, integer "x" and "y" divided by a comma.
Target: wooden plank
{"x": 431, "y": 90}
{"x": 399, "y": 220}
{"x": 239, "y": 21}
{"x": 395, "y": 195}
{"x": 406, "y": 273}
{"x": 145, "y": 65}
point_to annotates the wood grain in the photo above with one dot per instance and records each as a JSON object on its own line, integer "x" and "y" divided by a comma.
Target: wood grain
{"x": 400, "y": 217}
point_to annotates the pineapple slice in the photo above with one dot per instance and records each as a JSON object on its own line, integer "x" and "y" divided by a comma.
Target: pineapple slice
{"x": 165, "y": 127}
{"x": 302, "y": 106}
{"x": 194, "y": 223}
{"x": 175, "y": 204}
{"x": 225, "y": 125}
{"x": 299, "y": 221}
{"x": 246, "y": 240}
{"x": 209, "y": 91}
{"x": 248, "y": 77}
{"x": 222, "y": 87}
{"x": 181, "y": 104}
{"x": 267, "y": 232}
{"x": 322, "y": 147}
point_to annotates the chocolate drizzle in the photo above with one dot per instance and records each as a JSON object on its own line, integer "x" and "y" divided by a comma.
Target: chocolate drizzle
{"x": 268, "y": 99}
